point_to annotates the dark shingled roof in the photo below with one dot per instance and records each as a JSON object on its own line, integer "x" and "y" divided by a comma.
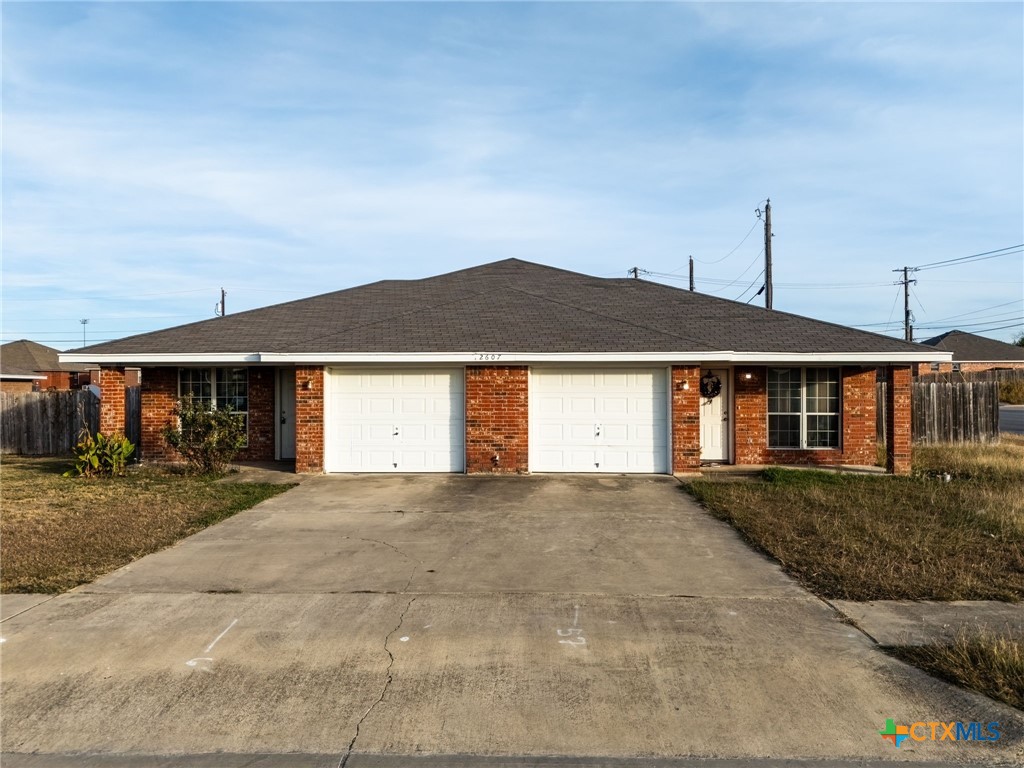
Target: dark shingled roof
{"x": 511, "y": 306}
{"x": 971, "y": 347}
{"x": 24, "y": 358}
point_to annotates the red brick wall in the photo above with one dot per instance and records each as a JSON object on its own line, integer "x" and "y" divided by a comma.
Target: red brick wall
{"x": 159, "y": 395}
{"x": 750, "y": 415}
{"x": 261, "y": 416}
{"x": 750, "y": 421}
{"x": 685, "y": 418}
{"x": 111, "y": 400}
{"x": 497, "y": 419}
{"x": 898, "y": 420}
{"x": 309, "y": 419}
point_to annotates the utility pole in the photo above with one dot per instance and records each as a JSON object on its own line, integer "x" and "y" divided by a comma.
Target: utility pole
{"x": 691, "y": 273}
{"x": 218, "y": 308}
{"x": 768, "y": 254}
{"x": 908, "y": 329}
{"x": 635, "y": 272}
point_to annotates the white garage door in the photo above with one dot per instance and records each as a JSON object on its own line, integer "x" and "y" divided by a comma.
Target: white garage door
{"x": 598, "y": 420}
{"x": 395, "y": 421}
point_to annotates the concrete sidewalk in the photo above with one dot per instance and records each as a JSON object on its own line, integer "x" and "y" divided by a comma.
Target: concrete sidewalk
{"x": 910, "y": 622}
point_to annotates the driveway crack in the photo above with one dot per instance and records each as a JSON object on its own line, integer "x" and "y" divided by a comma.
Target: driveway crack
{"x": 384, "y": 690}
{"x": 416, "y": 563}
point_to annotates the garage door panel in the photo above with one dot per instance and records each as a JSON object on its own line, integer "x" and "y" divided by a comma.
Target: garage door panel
{"x": 599, "y": 421}
{"x": 396, "y": 421}
{"x": 553, "y": 433}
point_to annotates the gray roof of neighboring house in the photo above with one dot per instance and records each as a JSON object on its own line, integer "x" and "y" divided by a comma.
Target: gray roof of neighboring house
{"x": 512, "y": 306}
{"x": 969, "y": 347}
{"x": 24, "y": 357}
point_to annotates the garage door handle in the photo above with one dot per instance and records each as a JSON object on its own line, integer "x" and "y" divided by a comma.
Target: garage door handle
{"x": 597, "y": 430}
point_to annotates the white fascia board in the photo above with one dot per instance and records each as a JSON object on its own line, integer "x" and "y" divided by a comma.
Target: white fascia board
{"x": 21, "y": 377}
{"x": 205, "y": 358}
{"x": 470, "y": 358}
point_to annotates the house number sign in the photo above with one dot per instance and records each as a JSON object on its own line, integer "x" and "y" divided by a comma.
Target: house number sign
{"x": 487, "y": 356}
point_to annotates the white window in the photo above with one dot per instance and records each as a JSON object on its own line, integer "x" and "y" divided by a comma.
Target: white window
{"x": 803, "y": 407}
{"x": 218, "y": 388}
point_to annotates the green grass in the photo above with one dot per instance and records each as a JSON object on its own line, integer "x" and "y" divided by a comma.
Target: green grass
{"x": 990, "y": 664}
{"x": 868, "y": 537}
{"x": 60, "y": 532}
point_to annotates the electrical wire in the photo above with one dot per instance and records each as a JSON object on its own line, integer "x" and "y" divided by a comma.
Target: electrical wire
{"x": 1007, "y": 251}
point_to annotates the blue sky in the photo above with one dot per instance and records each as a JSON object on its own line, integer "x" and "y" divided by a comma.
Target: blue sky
{"x": 156, "y": 152}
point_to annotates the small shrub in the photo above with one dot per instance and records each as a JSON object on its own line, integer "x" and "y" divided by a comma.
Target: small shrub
{"x": 207, "y": 438}
{"x": 101, "y": 456}
{"x": 1012, "y": 392}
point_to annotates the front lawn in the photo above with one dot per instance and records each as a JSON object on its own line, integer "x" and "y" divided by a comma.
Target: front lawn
{"x": 58, "y": 532}
{"x": 869, "y": 537}
{"x": 986, "y": 663}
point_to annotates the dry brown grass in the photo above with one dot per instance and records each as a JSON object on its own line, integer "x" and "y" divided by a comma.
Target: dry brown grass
{"x": 859, "y": 537}
{"x": 991, "y": 664}
{"x": 57, "y": 532}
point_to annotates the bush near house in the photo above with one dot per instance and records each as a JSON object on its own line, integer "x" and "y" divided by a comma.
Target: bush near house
{"x": 207, "y": 438}
{"x": 58, "y": 533}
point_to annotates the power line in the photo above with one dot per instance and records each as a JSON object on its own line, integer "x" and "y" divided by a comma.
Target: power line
{"x": 752, "y": 284}
{"x": 983, "y": 309}
{"x": 1007, "y": 251}
{"x": 730, "y": 253}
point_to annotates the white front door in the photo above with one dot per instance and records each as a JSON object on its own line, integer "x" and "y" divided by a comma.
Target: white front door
{"x": 395, "y": 421}
{"x": 598, "y": 420}
{"x": 286, "y": 413}
{"x": 714, "y": 421}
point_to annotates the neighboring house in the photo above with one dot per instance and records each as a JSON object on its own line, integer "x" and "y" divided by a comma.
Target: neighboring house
{"x": 972, "y": 354}
{"x": 26, "y": 366}
{"x": 517, "y": 367}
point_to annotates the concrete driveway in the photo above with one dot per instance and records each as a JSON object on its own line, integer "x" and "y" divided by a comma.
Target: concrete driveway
{"x": 354, "y": 619}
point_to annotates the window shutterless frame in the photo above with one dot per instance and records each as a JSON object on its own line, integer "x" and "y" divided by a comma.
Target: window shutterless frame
{"x": 219, "y": 388}
{"x": 804, "y": 408}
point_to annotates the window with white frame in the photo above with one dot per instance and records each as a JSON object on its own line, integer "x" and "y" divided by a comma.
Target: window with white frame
{"x": 803, "y": 407}
{"x": 219, "y": 388}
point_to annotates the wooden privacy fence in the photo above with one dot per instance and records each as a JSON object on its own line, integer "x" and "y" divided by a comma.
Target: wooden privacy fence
{"x": 948, "y": 412}
{"x": 49, "y": 423}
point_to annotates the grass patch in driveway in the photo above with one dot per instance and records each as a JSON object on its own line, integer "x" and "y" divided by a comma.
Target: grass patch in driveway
{"x": 990, "y": 664}
{"x": 867, "y": 537}
{"x": 60, "y": 532}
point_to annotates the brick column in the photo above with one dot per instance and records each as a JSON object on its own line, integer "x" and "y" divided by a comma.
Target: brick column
{"x": 112, "y": 416}
{"x": 860, "y": 427}
{"x": 159, "y": 396}
{"x": 897, "y": 421}
{"x": 750, "y": 415}
{"x": 309, "y": 419}
{"x": 497, "y": 419}
{"x": 685, "y": 418}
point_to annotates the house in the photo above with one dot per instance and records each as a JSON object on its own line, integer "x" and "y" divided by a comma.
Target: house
{"x": 26, "y": 366}
{"x": 518, "y": 367}
{"x": 973, "y": 353}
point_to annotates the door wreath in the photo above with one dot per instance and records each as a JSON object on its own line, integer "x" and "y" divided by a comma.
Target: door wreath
{"x": 710, "y": 386}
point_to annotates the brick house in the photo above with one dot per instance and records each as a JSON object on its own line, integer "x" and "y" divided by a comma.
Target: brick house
{"x": 516, "y": 367}
{"x": 972, "y": 354}
{"x": 26, "y": 366}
